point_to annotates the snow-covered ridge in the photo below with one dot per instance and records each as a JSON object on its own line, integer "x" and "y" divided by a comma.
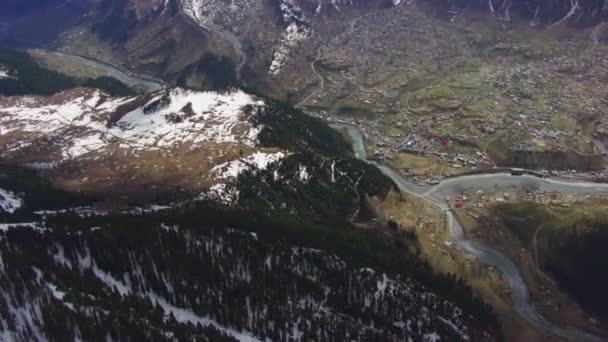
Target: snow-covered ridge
{"x": 88, "y": 120}
{"x": 194, "y": 117}
{"x": 336, "y": 4}
{"x": 9, "y": 201}
{"x": 292, "y": 37}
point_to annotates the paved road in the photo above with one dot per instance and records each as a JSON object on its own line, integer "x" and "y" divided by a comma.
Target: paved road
{"x": 436, "y": 195}
{"x": 487, "y": 255}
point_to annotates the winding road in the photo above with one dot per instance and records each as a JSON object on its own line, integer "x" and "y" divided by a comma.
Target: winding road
{"x": 436, "y": 195}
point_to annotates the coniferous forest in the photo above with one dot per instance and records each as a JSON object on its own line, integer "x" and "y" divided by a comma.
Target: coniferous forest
{"x": 287, "y": 261}
{"x": 205, "y": 273}
{"x": 285, "y": 264}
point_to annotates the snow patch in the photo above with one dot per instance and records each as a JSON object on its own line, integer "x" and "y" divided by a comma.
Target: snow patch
{"x": 297, "y": 31}
{"x": 4, "y": 72}
{"x": 432, "y": 337}
{"x": 34, "y": 225}
{"x": 222, "y": 193}
{"x": 59, "y": 295}
{"x": 226, "y": 192}
{"x": 25, "y": 317}
{"x": 9, "y": 201}
{"x": 303, "y": 174}
{"x": 454, "y": 327}
{"x": 171, "y": 118}
{"x": 187, "y": 316}
{"x": 230, "y": 13}
{"x": 256, "y": 161}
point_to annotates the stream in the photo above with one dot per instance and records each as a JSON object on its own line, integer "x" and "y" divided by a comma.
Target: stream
{"x": 141, "y": 83}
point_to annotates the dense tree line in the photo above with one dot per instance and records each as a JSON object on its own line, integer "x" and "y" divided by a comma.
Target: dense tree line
{"x": 578, "y": 258}
{"x": 250, "y": 278}
{"x": 288, "y": 127}
{"x": 37, "y": 192}
{"x": 219, "y": 73}
{"x": 572, "y": 249}
{"x": 28, "y": 77}
{"x": 315, "y": 187}
{"x": 90, "y": 311}
{"x": 108, "y": 84}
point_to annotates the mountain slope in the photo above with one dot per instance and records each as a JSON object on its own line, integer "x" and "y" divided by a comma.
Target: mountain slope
{"x": 265, "y": 242}
{"x": 93, "y": 141}
{"x": 166, "y": 276}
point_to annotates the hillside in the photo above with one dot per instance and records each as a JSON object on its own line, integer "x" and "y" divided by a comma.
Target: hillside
{"x": 20, "y": 74}
{"x": 92, "y": 141}
{"x": 283, "y": 220}
{"x": 167, "y": 277}
{"x": 154, "y": 144}
{"x": 167, "y": 171}
{"x": 569, "y": 243}
{"x": 256, "y": 195}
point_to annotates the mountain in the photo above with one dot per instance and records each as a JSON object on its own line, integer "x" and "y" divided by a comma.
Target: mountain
{"x": 271, "y": 250}
{"x": 88, "y": 140}
{"x": 167, "y": 171}
{"x": 215, "y": 215}
{"x": 271, "y": 42}
{"x": 180, "y": 40}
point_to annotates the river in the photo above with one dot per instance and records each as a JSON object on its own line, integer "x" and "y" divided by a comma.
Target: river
{"x": 436, "y": 195}
{"x": 140, "y": 83}
{"x": 433, "y": 194}
{"x": 208, "y": 24}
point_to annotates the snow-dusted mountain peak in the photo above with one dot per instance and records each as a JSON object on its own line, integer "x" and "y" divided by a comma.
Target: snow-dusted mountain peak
{"x": 88, "y": 120}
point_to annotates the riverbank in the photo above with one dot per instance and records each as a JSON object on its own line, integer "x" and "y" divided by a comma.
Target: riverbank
{"x": 140, "y": 83}
{"x": 436, "y": 195}
{"x": 484, "y": 226}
